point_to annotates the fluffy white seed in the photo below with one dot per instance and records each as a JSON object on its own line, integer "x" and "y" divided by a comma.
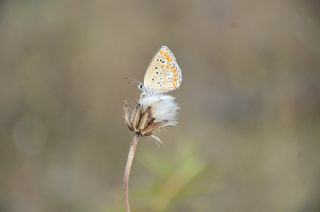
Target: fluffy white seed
{"x": 163, "y": 107}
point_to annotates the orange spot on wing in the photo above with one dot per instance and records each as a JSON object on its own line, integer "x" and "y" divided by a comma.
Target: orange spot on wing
{"x": 167, "y": 66}
{"x": 162, "y": 66}
{"x": 174, "y": 84}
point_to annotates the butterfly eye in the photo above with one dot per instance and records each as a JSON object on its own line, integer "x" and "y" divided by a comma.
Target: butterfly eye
{"x": 140, "y": 86}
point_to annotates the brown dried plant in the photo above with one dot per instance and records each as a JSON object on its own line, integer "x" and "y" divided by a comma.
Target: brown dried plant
{"x": 140, "y": 121}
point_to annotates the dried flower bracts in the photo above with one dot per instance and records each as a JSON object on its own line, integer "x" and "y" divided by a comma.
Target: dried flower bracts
{"x": 152, "y": 112}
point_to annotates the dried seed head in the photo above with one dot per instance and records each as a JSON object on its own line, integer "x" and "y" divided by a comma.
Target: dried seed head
{"x": 151, "y": 113}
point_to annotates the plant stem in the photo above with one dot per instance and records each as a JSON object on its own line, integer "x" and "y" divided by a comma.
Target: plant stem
{"x": 132, "y": 151}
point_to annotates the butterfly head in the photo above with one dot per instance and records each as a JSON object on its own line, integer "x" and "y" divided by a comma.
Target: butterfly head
{"x": 140, "y": 86}
{"x": 143, "y": 89}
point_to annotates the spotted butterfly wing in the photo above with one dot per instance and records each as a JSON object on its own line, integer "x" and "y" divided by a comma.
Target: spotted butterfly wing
{"x": 163, "y": 74}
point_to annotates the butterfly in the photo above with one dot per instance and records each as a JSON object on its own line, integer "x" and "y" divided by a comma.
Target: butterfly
{"x": 163, "y": 73}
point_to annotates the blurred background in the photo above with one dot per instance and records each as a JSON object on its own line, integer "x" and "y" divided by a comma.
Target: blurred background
{"x": 249, "y": 131}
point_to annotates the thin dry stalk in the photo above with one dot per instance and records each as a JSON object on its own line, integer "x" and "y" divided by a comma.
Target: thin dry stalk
{"x": 140, "y": 121}
{"x": 132, "y": 151}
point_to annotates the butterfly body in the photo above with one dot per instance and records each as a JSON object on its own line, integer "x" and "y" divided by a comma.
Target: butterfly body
{"x": 163, "y": 73}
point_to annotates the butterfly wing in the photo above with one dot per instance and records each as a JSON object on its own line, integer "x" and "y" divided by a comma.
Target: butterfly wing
{"x": 163, "y": 74}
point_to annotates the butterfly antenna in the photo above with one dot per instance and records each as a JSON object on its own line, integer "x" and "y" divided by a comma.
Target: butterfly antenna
{"x": 131, "y": 80}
